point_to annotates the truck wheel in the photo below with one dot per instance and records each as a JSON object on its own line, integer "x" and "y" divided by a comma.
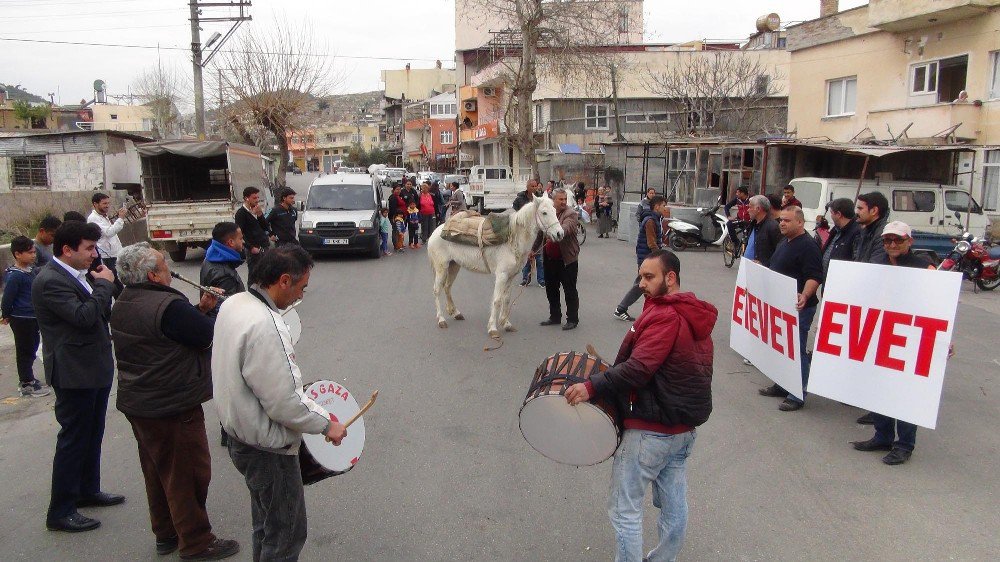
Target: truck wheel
{"x": 178, "y": 254}
{"x": 376, "y": 250}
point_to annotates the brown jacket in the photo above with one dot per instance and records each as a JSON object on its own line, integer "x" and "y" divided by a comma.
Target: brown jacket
{"x": 569, "y": 246}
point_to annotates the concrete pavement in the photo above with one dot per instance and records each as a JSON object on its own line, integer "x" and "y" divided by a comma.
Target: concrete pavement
{"x": 446, "y": 474}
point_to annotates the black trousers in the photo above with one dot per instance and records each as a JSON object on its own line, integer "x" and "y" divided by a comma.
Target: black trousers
{"x": 557, "y": 274}
{"x": 26, "y": 339}
{"x": 252, "y": 261}
{"x": 76, "y": 468}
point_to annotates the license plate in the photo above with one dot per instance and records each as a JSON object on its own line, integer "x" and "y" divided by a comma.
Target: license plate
{"x": 335, "y": 241}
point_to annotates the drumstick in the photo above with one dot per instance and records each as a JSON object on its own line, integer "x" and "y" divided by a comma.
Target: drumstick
{"x": 293, "y": 305}
{"x": 360, "y": 413}
{"x": 593, "y": 351}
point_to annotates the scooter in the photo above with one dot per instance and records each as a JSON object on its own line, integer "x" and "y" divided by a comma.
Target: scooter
{"x": 978, "y": 264}
{"x": 710, "y": 232}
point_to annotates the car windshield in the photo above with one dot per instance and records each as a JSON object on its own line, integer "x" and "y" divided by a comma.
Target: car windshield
{"x": 341, "y": 198}
{"x": 808, "y": 193}
{"x": 961, "y": 202}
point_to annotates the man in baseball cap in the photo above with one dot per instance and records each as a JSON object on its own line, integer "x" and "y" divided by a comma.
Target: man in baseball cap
{"x": 896, "y": 436}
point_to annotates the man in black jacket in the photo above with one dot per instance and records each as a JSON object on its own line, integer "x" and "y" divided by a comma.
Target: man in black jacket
{"x": 73, "y": 315}
{"x": 662, "y": 384}
{"x": 222, "y": 258}
{"x": 840, "y": 244}
{"x": 283, "y": 216}
{"x": 531, "y": 190}
{"x": 872, "y": 213}
{"x": 764, "y": 231}
{"x": 163, "y": 347}
{"x": 250, "y": 219}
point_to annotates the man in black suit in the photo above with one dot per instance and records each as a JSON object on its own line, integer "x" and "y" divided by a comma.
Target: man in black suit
{"x": 73, "y": 314}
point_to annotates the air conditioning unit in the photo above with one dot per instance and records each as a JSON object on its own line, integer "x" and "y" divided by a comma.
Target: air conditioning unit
{"x": 490, "y": 92}
{"x": 470, "y": 106}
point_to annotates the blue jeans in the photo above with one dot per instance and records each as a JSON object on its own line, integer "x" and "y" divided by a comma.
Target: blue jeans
{"x": 805, "y": 321}
{"x": 384, "y": 237}
{"x": 648, "y": 457}
{"x": 886, "y": 430}
{"x": 526, "y": 271}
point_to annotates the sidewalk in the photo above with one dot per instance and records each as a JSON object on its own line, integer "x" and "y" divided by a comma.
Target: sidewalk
{"x": 12, "y": 404}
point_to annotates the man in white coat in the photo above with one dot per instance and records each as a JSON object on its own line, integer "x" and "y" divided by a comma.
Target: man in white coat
{"x": 258, "y": 392}
{"x": 111, "y": 224}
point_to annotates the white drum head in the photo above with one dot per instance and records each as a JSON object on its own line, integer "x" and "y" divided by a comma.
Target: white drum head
{"x": 579, "y": 435}
{"x": 334, "y": 398}
{"x": 291, "y": 318}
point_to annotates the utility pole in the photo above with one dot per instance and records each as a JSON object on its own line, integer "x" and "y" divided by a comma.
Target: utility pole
{"x": 217, "y": 39}
{"x": 199, "y": 87}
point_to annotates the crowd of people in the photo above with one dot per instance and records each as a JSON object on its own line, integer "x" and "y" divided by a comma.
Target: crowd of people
{"x": 77, "y": 290}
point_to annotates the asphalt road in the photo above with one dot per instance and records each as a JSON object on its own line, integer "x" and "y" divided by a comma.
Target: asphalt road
{"x": 446, "y": 475}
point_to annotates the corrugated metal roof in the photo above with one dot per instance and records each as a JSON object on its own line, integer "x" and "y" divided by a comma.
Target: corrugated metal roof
{"x": 876, "y": 151}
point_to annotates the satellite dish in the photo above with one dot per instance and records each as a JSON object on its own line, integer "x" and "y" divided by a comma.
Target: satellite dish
{"x": 99, "y": 85}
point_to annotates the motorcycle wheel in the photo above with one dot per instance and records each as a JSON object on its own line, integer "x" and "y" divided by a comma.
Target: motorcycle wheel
{"x": 988, "y": 285}
{"x": 677, "y": 243}
{"x": 728, "y": 252}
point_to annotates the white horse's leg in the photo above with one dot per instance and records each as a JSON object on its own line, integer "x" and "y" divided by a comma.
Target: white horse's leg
{"x": 453, "y": 269}
{"x": 440, "y": 274}
{"x": 496, "y": 305}
{"x": 505, "y": 304}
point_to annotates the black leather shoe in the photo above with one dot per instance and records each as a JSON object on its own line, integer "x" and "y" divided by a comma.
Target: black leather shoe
{"x": 166, "y": 546}
{"x": 219, "y": 549}
{"x": 773, "y": 391}
{"x": 100, "y": 499}
{"x": 897, "y": 456}
{"x": 73, "y": 523}
{"x": 871, "y": 445}
{"x": 790, "y": 405}
{"x": 570, "y": 325}
{"x": 550, "y": 322}
{"x": 867, "y": 419}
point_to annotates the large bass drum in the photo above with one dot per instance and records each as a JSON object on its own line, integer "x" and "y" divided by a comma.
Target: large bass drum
{"x": 319, "y": 459}
{"x": 580, "y": 435}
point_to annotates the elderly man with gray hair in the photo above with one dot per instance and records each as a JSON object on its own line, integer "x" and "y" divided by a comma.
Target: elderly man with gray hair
{"x": 163, "y": 349}
{"x": 764, "y": 231}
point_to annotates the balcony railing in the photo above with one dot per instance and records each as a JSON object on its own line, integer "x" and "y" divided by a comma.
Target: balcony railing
{"x": 928, "y": 121}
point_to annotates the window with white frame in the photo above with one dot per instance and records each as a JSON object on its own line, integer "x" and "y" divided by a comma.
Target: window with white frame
{"x": 30, "y": 172}
{"x": 447, "y": 137}
{"x": 841, "y": 96}
{"x": 444, "y": 109}
{"x": 924, "y": 78}
{"x": 991, "y": 181}
{"x": 356, "y": 138}
{"x": 994, "y": 82}
{"x": 596, "y": 116}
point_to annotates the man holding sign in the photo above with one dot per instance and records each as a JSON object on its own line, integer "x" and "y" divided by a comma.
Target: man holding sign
{"x": 896, "y": 436}
{"x": 797, "y": 256}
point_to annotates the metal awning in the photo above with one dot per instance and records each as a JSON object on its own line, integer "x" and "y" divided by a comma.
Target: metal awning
{"x": 873, "y": 150}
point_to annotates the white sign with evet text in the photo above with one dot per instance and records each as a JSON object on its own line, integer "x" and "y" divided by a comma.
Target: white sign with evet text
{"x": 882, "y": 338}
{"x": 764, "y": 324}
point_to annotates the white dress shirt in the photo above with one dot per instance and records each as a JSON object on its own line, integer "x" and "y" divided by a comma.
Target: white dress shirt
{"x": 109, "y": 245}
{"x": 79, "y": 274}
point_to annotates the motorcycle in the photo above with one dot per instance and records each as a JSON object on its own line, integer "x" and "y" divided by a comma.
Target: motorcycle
{"x": 978, "y": 264}
{"x": 711, "y": 231}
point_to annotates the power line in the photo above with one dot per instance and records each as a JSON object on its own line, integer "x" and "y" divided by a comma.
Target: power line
{"x": 126, "y": 46}
{"x": 86, "y": 16}
{"x": 96, "y": 29}
{"x": 43, "y": 4}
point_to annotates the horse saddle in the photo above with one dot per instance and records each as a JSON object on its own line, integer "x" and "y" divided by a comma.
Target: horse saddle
{"x": 472, "y": 229}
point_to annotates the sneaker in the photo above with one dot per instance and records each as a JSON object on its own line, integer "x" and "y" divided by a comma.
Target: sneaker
{"x": 35, "y": 389}
{"x": 219, "y": 549}
{"x": 525, "y": 282}
{"x": 623, "y": 315}
{"x": 541, "y": 283}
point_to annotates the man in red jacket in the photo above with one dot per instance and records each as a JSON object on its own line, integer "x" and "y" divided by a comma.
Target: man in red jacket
{"x": 662, "y": 384}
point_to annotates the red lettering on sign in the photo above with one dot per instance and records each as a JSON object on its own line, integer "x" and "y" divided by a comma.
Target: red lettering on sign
{"x": 791, "y": 322}
{"x": 776, "y": 330}
{"x": 858, "y": 342}
{"x": 929, "y": 327}
{"x": 888, "y": 338}
{"x": 738, "y": 305}
{"x": 827, "y": 326}
{"x": 765, "y": 322}
{"x": 752, "y": 315}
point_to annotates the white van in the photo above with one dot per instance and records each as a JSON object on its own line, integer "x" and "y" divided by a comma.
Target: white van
{"x": 492, "y": 188}
{"x": 340, "y": 214}
{"x": 926, "y": 207}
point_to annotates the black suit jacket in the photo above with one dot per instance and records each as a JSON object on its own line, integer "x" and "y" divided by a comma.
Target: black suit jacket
{"x": 74, "y": 326}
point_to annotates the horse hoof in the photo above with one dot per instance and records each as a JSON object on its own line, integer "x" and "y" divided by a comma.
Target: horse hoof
{"x": 510, "y": 328}
{"x": 459, "y": 316}
{"x": 495, "y": 334}
{"x": 442, "y": 324}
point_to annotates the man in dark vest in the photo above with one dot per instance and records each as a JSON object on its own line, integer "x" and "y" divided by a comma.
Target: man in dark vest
{"x": 163, "y": 347}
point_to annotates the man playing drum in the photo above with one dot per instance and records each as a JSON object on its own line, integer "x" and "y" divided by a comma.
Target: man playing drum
{"x": 262, "y": 407}
{"x": 662, "y": 383}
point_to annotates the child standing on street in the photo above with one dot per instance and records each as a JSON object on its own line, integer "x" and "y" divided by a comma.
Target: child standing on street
{"x": 17, "y": 311}
{"x": 384, "y": 228}
{"x": 413, "y": 218}
{"x": 400, "y": 228}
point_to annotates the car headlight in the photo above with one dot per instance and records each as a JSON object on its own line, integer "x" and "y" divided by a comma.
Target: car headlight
{"x": 307, "y": 224}
{"x": 365, "y": 224}
{"x": 963, "y": 247}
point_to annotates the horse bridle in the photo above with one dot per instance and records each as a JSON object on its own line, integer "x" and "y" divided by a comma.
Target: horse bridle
{"x": 538, "y": 221}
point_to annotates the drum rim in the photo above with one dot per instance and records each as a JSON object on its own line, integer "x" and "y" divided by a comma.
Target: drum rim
{"x": 304, "y": 446}
{"x": 618, "y": 430}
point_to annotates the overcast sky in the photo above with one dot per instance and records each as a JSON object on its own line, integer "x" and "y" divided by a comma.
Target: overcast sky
{"x": 418, "y": 31}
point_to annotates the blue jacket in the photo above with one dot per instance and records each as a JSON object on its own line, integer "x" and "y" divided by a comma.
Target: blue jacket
{"x": 642, "y": 248}
{"x": 17, "y": 293}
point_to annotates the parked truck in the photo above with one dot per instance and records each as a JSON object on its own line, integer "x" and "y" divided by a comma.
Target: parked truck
{"x": 494, "y": 188}
{"x": 190, "y": 186}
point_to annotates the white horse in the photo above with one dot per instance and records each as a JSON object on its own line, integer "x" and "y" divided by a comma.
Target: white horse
{"x": 504, "y": 261}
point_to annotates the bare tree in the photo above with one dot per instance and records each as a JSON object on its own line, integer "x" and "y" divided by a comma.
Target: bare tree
{"x": 567, "y": 42}
{"x": 270, "y": 81}
{"x": 728, "y": 93}
{"x": 160, "y": 89}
